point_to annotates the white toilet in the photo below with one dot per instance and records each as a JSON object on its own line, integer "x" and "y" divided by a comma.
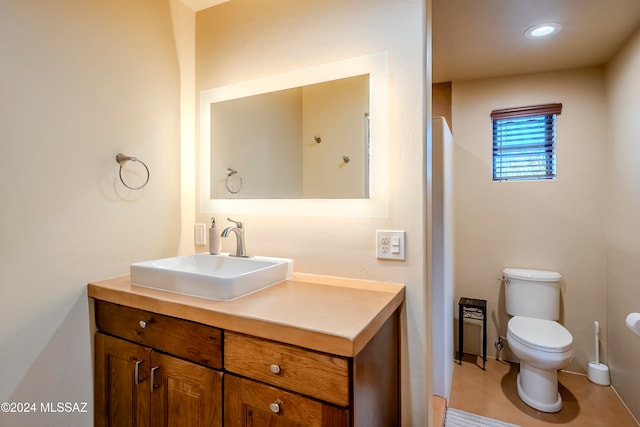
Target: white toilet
{"x": 543, "y": 345}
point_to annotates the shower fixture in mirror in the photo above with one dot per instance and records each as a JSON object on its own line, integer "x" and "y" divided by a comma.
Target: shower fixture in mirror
{"x": 307, "y": 142}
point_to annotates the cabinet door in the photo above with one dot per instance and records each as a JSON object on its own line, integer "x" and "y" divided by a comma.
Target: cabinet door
{"x": 184, "y": 394}
{"x": 250, "y": 403}
{"x": 121, "y": 383}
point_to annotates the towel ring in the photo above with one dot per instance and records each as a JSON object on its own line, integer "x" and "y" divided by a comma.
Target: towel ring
{"x": 122, "y": 159}
{"x": 230, "y": 172}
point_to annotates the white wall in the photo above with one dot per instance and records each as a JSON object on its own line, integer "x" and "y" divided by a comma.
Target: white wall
{"x": 244, "y": 40}
{"x": 554, "y": 225}
{"x": 80, "y": 82}
{"x": 623, "y": 212}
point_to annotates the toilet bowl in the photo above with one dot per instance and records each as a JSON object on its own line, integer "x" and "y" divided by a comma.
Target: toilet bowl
{"x": 542, "y": 344}
{"x": 543, "y": 347}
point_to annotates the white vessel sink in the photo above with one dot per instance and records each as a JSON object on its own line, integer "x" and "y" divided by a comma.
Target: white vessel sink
{"x": 219, "y": 277}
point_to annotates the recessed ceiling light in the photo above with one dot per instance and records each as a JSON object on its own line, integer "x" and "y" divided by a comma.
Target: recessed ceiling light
{"x": 542, "y": 30}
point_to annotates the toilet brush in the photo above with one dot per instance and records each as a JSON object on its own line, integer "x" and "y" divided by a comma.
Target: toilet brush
{"x": 598, "y": 372}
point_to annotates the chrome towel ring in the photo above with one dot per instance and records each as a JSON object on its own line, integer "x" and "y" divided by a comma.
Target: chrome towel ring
{"x": 122, "y": 159}
{"x": 233, "y": 188}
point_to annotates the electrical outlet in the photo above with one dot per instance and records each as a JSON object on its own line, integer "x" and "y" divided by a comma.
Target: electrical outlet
{"x": 390, "y": 244}
{"x": 200, "y": 234}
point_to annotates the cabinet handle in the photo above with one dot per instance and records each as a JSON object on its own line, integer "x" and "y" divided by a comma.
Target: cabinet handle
{"x": 152, "y": 381}
{"x": 143, "y": 323}
{"x": 136, "y": 372}
{"x": 275, "y": 368}
{"x": 275, "y": 406}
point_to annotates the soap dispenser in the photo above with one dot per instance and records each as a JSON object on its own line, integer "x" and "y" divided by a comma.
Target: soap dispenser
{"x": 214, "y": 238}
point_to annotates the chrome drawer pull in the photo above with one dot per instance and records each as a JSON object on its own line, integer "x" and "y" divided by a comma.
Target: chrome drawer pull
{"x": 136, "y": 372}
{"x": 275, "y": 368}
{"x": 152, "y": 382}
{"x": 275, "y": 407}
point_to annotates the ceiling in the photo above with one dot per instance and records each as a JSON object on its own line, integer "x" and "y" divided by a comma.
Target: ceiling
{"x": 475, "y": 39}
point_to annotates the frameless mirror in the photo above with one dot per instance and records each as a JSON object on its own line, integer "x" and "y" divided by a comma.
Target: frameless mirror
{"x": 307, "y": 142}
{"x": 304, "y": 142}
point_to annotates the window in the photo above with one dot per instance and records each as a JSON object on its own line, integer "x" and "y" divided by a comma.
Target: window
{"x": 524, "y": 142}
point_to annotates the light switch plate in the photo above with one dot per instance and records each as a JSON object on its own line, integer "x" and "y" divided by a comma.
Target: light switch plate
{"x": 200, "y": 234}
{"x": 390, "y": 244}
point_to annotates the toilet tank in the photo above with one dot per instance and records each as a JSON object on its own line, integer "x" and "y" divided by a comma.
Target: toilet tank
{"x": 532, "y": 293}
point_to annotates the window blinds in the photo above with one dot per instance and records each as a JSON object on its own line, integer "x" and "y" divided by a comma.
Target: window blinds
{"x": 524, "y": 142}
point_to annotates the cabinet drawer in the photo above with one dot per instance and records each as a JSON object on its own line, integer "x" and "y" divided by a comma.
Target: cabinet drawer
{"x": 248, "y": 402}
{"x": 315, "y": 374}
{"x": 189, "y": 340}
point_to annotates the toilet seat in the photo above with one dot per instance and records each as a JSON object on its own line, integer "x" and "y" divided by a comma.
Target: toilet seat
{"x": 539, "y": 334}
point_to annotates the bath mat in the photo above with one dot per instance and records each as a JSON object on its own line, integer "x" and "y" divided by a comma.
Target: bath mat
{"x": 458, "y": 418}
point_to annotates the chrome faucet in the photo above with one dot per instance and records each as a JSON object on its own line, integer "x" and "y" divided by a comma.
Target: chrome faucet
{"x": 239, "y": 231}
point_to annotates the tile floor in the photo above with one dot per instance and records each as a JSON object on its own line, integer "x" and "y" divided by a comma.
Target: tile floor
{"x": 492, "y": 393}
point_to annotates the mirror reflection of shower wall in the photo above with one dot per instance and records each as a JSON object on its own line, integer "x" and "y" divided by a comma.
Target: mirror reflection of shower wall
{"x": 306, "y": 142}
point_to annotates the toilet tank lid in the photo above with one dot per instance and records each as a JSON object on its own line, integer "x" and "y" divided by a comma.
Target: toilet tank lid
{"x": 533, "y": 275}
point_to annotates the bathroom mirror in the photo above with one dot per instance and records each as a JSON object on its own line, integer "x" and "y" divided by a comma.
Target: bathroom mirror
{"x": 307, "y": 142}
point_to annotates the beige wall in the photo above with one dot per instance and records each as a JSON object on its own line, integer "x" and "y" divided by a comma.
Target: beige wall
{"x": 335, "y": 111}
{"x": 623, "y": 212}
{"x": 244, "y": 40}
{"x": 81, "y": 81}
{"x": 259, "y": 137}
{"x": 554, "y": 225}
{"x": 184, "y": 30}
{"x": 442, "y": 256}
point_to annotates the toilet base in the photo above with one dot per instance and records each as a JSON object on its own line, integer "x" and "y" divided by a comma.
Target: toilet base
{"x": 538, "y": 388}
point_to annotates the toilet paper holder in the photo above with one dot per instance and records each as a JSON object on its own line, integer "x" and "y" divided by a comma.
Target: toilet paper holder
{"x": 633, "y": 322}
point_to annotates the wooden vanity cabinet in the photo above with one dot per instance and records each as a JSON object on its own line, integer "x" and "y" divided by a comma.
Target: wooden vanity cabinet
{"x": 154, "y": 370}
{"x": 142, "y": 386}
